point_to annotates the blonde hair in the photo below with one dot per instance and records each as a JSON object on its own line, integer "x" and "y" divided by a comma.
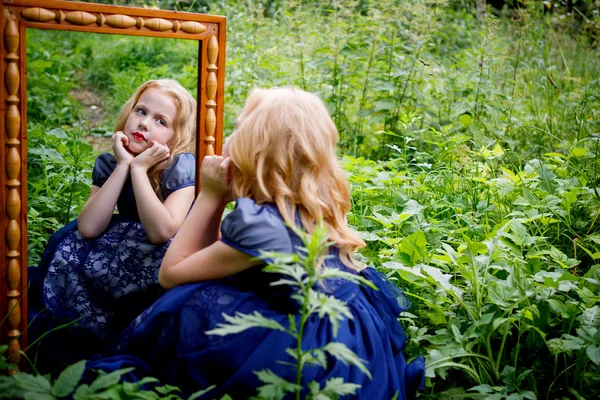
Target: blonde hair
{"x": 284, "y": 149}
{"x": 184, "y": 126}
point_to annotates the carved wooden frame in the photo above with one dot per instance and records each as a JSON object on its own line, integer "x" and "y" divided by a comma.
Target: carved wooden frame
{"x": 18, "y": 15}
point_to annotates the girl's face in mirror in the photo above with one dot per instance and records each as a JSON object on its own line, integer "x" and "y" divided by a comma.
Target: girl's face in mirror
{"x": 151, "y": 120}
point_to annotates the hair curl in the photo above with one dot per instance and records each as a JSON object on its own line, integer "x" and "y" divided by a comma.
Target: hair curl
{"x": 283, "y": 151}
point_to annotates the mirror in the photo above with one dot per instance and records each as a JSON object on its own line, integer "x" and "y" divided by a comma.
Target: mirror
{"x": 77, "y": 83}
{"x": 205, "y": 32}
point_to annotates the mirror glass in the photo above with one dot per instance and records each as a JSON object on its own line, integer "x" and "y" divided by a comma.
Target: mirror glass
{"x": 76, "y": 84}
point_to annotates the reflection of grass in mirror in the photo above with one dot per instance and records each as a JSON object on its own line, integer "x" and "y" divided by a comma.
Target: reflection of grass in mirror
{"x": 76, "y": 84}
{"x": 59, "y": 167}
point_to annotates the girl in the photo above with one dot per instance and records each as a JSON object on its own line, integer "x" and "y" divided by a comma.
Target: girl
{"x": 102, "y": 269}
{"x": 281, "y": 166}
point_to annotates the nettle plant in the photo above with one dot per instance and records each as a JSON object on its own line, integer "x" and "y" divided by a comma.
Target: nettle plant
{"x": 70, "y": 384}
{"x": 499, "y": 261}
{"x": 303, "y": 272}
{"x": 59, "y": 166}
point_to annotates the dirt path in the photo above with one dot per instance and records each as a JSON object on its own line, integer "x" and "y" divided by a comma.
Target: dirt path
{"x": 95, "y": 114}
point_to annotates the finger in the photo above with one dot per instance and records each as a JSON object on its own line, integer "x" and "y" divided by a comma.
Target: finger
{"x": 226, "y": 166}
{"x": 152, "y": 150}
{"x": 165, "y": 156}
{"x": 161, "y": 152}
{"x": 226, "y": 163}
{"x": 210, "y": 161}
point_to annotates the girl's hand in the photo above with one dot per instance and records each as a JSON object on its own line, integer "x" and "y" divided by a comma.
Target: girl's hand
{"x": 151, "y": 156}
{"x": 215, "y": 177}
{"x": 120, "y": 148}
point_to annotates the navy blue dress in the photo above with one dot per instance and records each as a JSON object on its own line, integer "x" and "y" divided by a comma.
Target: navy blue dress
{"x": 168, "y": 340}
{"x": 101, "y": 283}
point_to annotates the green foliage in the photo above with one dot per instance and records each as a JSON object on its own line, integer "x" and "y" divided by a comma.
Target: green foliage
{"x": 500, "y": 262}
{"x": 70, "y": 384}
{"x": 59, "y": 168}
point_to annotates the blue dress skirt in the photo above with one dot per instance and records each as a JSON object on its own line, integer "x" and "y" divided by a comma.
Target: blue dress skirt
{"x": 168, "y": 340}
{"x": 86, "y": 291}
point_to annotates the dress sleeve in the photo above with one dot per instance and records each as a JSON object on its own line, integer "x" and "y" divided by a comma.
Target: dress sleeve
{"x": 105, "y": 165}
{"x": 181, "y": 173}
{"x": 252, "y": 228}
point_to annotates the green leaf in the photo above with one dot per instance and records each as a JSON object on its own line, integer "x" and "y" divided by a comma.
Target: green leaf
{"x": 548, "y": 183}
{"x": 38, "y": 396}
{"x": 465, "y": 119}
{"x": 519, "y": 233}
{"x": 414, "y": 246}
{"x": 241, "y": 322}
{"x": 579, "y": 151}
{"x": 571, "y": 342}
{"x": 68, "y": 379}
{"x": 314, "y": 356}
{"x": 442, "y": 279}
{"x": 199, "y": 393}
{"x": 337, "y": 273}
{"x": 167, "y": 389}
{"x": 334, "y": 387}
{"x": 385, "y": 105}
{"x": 58, "y": 133}
{"x": 106, "y": 380}
{"x": 145, "y": 395}
{"x": 82, "y": 392}
{"x": 502, "y": 294}
{"x": 324, "y": 305}
{"x": 111, "y": 393}
{"x": 343, "y": 353}
{"x": 37, "y": 383}
{"x": 528, "y": 395}
{"x": 482, "y": 389}
{"x": 593, "y": 352}
{"x": 275, "y": 387}
{"x": 591, "y": 317}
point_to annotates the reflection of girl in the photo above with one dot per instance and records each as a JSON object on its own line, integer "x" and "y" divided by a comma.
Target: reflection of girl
{"x": 102, "y": 270}
{"x": 283, "y": 170}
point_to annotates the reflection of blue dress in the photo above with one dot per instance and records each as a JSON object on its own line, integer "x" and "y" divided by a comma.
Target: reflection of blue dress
{"x": 168, "y": 340}
{"x": 103, "y": 283}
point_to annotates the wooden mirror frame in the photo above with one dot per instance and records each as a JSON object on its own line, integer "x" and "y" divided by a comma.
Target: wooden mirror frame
{"x": 17, "y": 16}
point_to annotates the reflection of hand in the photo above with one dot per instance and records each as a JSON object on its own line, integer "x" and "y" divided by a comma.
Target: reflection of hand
{"x": 214, "y": 177}
{"x": 120, "y": 150}
{"x": 152, "y": 155}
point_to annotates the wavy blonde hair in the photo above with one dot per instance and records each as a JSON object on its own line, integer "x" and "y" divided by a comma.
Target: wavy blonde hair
{"x": 184, "y": 126}
{"x": 283, "y": 151}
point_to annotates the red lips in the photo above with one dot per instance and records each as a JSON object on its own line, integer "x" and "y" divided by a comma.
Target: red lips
{"x": 139, "y": 136}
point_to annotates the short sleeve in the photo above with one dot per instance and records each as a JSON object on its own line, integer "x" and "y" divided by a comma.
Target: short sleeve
{"x": 251, "y": 228}
{"x": 104, "y": 167}
{"x": 181, "y": 173}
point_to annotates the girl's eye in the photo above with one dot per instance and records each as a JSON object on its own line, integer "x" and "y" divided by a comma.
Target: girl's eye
{"x": 140, "y": 111}
{"x": 162, "y": 122}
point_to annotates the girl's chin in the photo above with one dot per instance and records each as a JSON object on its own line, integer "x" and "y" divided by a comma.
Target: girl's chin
{"x": 133, "y": 153}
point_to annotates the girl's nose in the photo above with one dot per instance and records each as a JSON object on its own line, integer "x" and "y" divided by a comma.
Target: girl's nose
{"x": 144, "y": 123}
